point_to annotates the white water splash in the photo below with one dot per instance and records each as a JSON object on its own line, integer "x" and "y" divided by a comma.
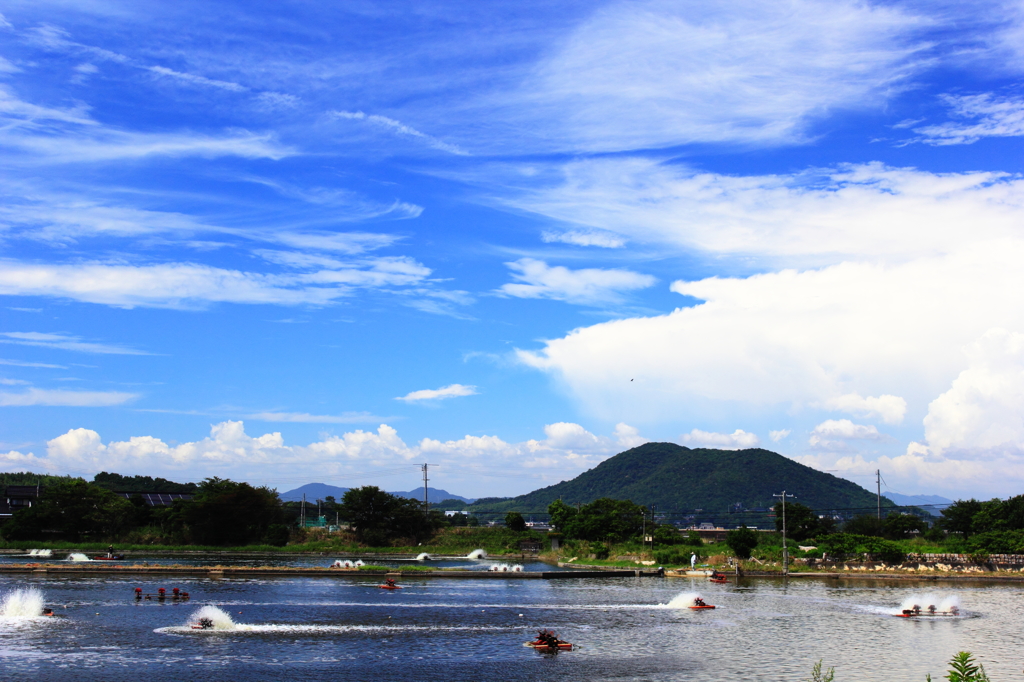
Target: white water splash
{"x": 423, "y": 556}
{"x": 75, "y": 556}
{"x": 683, "y": 600}
{"x": 220, "y": 619}
{"x": 477, "y": 554}
{"x": 948, "y": 605}
{"x": 344, "y": 564}
{"x": 22, "y": 604}
{"x": 243, "y": 628}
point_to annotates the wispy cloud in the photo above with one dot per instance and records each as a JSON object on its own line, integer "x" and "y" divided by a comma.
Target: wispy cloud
{"x": 197, "y": 80}
{"x": 832, "y": 434}
{"x": 19, "y": 363}
{"x": 305, "y": 418}
{"x": 984, "y": 115}
{"x": 59, "y": 398}
{"x": 607, "y": 240}
{"x": 398, "y": 128}
{"x": 443, "y": 393}
{"x": 591, "y": 286}
{"x": 65, "y": 342}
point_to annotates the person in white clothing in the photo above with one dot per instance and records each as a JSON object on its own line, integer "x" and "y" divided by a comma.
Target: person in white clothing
{"x": 693, "y": 561}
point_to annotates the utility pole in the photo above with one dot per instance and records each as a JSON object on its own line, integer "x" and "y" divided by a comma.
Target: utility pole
{"x": 426, "y": 500}
{"x": 785, "y": 552}
{"x": 878, "y": 480}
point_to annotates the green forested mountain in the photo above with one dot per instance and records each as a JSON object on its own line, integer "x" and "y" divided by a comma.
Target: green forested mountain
{"x": 679, "y": 479}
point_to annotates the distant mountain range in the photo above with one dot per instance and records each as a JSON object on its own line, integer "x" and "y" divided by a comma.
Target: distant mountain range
{"x": 320, "y": 491}
{"x": 933, "y": 504}
{"x": 680, "y": 480}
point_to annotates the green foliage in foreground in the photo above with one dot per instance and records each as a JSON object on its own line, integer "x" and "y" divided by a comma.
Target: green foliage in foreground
{"x": 962, "y": 668}
{"x": 601, "y": 520}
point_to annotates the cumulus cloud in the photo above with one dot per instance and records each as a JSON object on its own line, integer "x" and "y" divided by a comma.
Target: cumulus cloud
{"x": 443, "y": 393}
{"x": 229, "y": 451}
{"x": 38, "y": 396}
{"x": 590, "y": 286}
{"x": 830, "y": 433}
{"x": 977, "y": 116}
{"x": 889, "y": 408}
{"x": 855, "y": 328}
{"x": 737, "y": 440}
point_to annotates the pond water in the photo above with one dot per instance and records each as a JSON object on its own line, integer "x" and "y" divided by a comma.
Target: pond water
{"x": 449, "y": 629}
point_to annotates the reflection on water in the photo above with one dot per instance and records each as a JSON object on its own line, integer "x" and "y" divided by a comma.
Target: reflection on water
{"x": 627, "y": 629}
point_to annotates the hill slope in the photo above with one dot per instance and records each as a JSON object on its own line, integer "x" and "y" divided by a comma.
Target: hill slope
{"x": 678, "y": 479}
{"x": 315, "y": 491}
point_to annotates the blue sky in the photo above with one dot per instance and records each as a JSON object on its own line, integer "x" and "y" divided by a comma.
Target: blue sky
{"x": 286, "y": 242}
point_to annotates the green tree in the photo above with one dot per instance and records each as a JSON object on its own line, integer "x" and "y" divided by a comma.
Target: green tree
{"x": 865, "y": 524}
{"x": 379, "y": 517}
{"x": 666, "y": 534}
{"x": 76, "y": 510}
{"x": 226, "y": 512}
{"x": 801, "y": 521}
{"x": 959, "y": 516}
{"x": 901, "y": 526}
{"x": 601, "y": 520}
{"x": 839, "y": 545}
{"x": 742, "y": 541}
{"x": 514, "y": 521}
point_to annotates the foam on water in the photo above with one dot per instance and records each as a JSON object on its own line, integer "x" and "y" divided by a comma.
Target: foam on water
{"x": 222, "y": 623}
{"x": 683, "y": 600}
{"x": 76, "y": 556}
{"x": 477, "y": 554}
{"x": 26, "y": 603}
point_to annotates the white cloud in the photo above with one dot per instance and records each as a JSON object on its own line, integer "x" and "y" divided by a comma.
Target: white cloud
{"x": 889, "y": 408}
{"x": 38, "y": 396}
{"x": 19, "y": 363}
{"x": 590, "y": 286}
{"x": 853, "y": 328}
{"x": 13, "y": 109}
{"x": 472, "y": 463}
{"x": 398, "y": 128}
{"x": 112, "y": 145}
{"x": 443, "y": 393}
{"x": 607, "y": 240}
{"x": 737, "y": 440}
{"x": 983, "y": 115}
{"x": 779, "y": 435}
{"x": 183, "y": 285}
{"x": 64, "y": 342}
{"x": 830, "y": 433}
{"x": 657, "y": 73}
{"x": 983, "y": 410}
{"x": 817, "y": 217}
{"x": 197, "y": 80}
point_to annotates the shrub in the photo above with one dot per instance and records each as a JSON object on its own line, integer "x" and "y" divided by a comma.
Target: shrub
{"x": 599, "y": 551}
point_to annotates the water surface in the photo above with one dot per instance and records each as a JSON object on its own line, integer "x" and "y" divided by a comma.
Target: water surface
{"x": 452, "y": 630}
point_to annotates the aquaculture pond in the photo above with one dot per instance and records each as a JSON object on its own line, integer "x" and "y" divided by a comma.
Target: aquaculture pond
{"x": 446, "y": 629}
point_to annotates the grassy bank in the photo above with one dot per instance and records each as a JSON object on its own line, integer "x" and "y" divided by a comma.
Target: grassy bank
{"x": 449, "y": 541}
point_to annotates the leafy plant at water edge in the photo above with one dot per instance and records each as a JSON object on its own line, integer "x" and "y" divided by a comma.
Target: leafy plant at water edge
{"x": 742, "y": 541}
{"x": 818, "y": 676}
